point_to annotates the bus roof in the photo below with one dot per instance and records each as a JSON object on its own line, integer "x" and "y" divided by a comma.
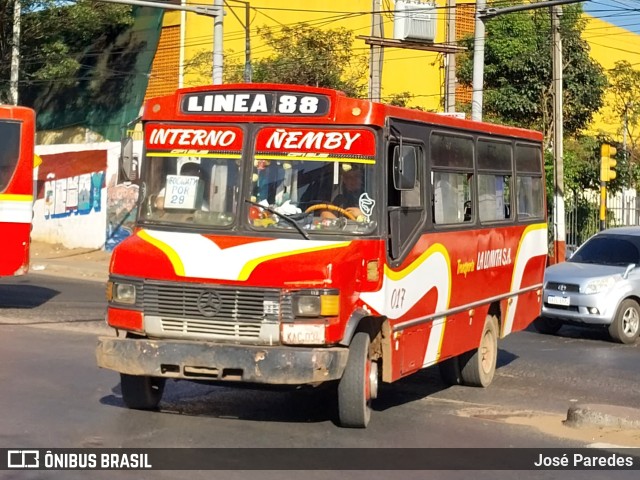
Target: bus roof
{"x": 281, "y": 103}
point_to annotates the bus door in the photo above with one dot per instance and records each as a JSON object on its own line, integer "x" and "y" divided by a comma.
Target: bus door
{"x": 406, "y": 188}
{"x": 407, "y": 193}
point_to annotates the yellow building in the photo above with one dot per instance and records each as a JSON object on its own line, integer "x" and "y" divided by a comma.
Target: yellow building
{"x": 610, "y": 44}
{"x": 188, "y": 36}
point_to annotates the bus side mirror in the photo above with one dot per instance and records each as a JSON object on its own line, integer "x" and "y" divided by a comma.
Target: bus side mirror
{"x": 129, "y": 161}
{"x": 404, "y": 167}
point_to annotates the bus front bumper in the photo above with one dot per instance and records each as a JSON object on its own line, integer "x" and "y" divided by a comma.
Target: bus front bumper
{"x": 201, "y": 360}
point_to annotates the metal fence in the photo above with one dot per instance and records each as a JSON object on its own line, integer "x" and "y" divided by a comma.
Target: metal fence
{"x": 582, "y": 213}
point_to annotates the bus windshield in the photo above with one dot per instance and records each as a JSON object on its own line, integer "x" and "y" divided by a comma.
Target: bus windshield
{"x": 309, "y": 180}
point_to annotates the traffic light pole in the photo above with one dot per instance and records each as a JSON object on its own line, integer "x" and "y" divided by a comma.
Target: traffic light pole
{"x": 603, "y": 205}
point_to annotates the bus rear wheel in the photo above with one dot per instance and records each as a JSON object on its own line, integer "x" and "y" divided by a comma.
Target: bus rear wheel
{"x": 358, "y": 385}
{"x": 141, "y": 393}
{"x": 478, "y": 367}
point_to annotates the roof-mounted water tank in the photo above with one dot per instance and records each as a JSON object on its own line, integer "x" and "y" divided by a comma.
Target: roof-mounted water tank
{"x": 414, "y": 21}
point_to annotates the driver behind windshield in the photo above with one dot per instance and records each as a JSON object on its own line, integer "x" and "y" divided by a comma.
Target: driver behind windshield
{"x": 351, "y": 188}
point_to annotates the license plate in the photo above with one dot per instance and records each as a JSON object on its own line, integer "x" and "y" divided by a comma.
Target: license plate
{"x": 564, "y": 301}
{"x": 303, "y": 334}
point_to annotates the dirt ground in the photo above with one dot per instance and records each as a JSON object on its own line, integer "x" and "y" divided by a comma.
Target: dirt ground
{"x": 554, "y": 425}
{"x": 84, "y": 263}
{"x": 42, "y": 250}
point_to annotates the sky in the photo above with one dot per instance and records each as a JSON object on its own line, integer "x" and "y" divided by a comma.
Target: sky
{"x": 622, "y": 13}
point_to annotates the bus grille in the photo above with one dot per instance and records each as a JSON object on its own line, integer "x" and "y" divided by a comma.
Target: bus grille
{"x": 215, "y": 311}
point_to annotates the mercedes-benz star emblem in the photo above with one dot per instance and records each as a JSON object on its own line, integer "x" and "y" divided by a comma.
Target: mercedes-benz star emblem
{"x": 209, "y": 303}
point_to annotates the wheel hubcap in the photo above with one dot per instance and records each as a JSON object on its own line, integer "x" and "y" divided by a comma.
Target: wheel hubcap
{"x": 487, "y": 353}
{"x": 373, "y": 380}
{"x": 630, "y": 322}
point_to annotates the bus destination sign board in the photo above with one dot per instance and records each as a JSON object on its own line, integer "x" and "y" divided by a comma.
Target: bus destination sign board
{"x": 255, "y": 103}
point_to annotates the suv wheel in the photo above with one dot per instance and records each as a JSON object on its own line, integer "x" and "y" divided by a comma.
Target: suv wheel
{"x": 626, "y": 323}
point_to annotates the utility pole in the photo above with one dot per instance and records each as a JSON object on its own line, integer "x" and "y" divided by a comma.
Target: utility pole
{"x": 248, "y": 73}
{"x": 559, "y": 243}
{"x": 477, "y": 83}
{"x": 377, "y": 54}
{"x": 450, "y": 98}
{"x": 218, "y": 52}
{"x": 15, "y": 53}
{"x": 625, "y": 127}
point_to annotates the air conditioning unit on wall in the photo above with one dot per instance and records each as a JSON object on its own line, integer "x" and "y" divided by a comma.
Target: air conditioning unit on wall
{"x": 414, "y": 21}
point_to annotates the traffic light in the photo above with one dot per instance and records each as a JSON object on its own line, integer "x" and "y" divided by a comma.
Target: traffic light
{"x": 607, "y": 162}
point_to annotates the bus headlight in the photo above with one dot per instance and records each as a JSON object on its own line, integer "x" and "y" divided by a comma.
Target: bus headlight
{"x": 316, "y": 303}
{"x": 121, "y": 293}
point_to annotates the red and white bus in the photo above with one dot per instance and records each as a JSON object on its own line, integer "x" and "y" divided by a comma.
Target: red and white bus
{"x": 17, "y": 136}
{"x": 252, "y": 268}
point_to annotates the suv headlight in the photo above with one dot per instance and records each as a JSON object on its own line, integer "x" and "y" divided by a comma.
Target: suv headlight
{"x": 121, "y": 293}
{"x": 316, "y": 303}
{"x": 599, "y": 285}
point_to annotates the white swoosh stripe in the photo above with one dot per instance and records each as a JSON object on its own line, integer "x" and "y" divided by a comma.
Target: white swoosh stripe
{"x": 433, "y": 272}
{"x": 533, "y": 244}
{"x": 202, "y": 258}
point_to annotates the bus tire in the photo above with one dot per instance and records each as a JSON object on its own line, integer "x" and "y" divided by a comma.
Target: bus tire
{"x": 478, "y": 366}
{"x": 358, "y": 385}
{"x": 450, "y": 371}
{"x": 141, "y": 393}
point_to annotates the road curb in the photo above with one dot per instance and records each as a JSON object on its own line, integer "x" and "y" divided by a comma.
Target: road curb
{"x": 601, "y": 415}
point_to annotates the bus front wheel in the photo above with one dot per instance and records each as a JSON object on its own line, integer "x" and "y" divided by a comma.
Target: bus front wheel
{"x": 358, "y": 385}
{"x": 141, "y": 393}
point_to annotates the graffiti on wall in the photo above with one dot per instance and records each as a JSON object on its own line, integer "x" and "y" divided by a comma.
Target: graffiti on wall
{"x": 78, "y": 195}
{"x": 71, "y": 183}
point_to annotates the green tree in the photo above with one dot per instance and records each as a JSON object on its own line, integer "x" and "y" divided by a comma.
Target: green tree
{"x": 518, "y": 71}
{"x": 625, "y": 85}
{"x": 55, "y": 38}
{"x": 305, "y": 55}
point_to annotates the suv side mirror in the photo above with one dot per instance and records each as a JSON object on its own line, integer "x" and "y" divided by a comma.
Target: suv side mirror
{"x": 630, "y": 267}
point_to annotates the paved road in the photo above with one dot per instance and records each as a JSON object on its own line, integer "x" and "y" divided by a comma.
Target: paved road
{"x": 58, "y": 397}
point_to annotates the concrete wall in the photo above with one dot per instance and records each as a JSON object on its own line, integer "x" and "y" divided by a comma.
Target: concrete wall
{"x": 79, "y": 201}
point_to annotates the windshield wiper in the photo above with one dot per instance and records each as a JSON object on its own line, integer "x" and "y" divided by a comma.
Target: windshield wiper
{"x": 289, "y": 220}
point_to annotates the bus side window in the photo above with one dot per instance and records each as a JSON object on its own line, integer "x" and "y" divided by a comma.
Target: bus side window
{"x": 529, "y": 181}
{"x": 451, "y": 201}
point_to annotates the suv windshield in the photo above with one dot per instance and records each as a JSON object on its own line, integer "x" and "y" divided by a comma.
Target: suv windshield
{"x": 609, "y": 250}
{"x": 323, "y": 180}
